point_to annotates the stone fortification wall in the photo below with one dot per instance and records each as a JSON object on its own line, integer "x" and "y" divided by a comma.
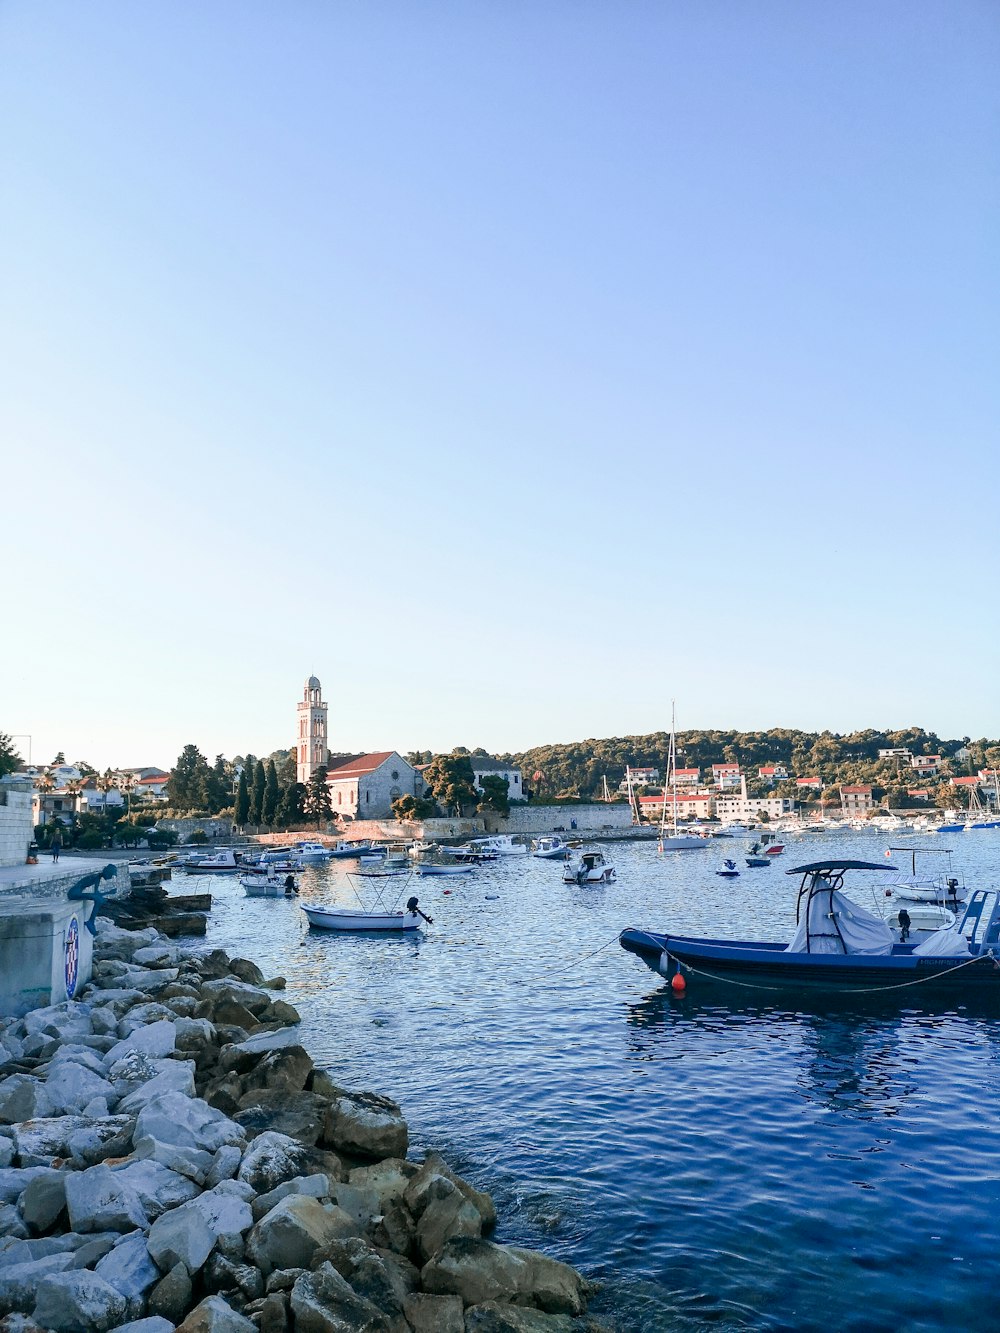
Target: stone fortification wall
{"x": 596, "y": 818}
{"x": 214, "y": 828}
{"x": 16, "y": 828}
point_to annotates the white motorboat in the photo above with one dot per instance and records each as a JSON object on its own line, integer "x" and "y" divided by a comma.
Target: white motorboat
{"x": 503, "y": 844}
{"x": 312, "y": 851}
{"x": 589, "y": 868}
{"x": 551, "y": 848}
{"x": 222, "y": 862}
{"x": 269, "y": 886}
{"x": 349, "y": 919}
{"x": 437, "y": 868}
{"x": 946, "y": 889}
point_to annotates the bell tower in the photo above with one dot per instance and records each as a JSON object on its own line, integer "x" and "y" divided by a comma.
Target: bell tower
{"x": 311, "y": 749}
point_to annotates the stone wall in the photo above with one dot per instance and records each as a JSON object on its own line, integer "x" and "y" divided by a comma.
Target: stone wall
{"x": 214, "y": 828}
{"x": 596, "y": 818}
{"x": 16, "y": 827}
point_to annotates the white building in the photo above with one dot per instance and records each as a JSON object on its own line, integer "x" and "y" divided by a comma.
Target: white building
{"x": 492, "y": 768}
{"x": 689, "y": 805}
{"x": 366, "y": 786}
{"x": 752, "y": 807}
{"x": 687, "y": 777}
{"x": 311, "y": 748}
{"x": 925, "y": 764}
{"x": 895, "y": 754}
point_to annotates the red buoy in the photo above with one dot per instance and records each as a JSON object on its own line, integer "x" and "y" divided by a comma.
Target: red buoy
{"x": 677, "y": 984}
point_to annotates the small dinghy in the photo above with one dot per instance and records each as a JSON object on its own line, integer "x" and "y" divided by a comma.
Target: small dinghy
{"x": 348, "y": 919}
{"x": 436, "y": 868}
{"x": 729, "y": 870}
{"x": 269, "y": 886}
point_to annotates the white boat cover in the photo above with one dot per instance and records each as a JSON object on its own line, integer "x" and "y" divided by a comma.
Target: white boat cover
{"x": 947, "y": 943}
{"x": 860, "y": 931}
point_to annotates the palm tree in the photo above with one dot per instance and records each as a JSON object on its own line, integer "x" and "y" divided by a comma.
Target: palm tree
{"x": 74, "y": 787}
{"x": 104, "y": 784}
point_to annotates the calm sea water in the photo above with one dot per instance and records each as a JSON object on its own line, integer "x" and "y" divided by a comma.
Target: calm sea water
{"x": 713, "y": 1163}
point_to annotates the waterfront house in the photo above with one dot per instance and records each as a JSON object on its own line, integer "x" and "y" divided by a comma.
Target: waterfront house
{"x": 752, "y": 807}
{"x": 484, "y": 767}
{"x": 365, "y": 787}
{"x": 856, "y": 800}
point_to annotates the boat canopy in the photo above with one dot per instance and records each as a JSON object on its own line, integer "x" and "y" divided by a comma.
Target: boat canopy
{"x": 829, "y": 922}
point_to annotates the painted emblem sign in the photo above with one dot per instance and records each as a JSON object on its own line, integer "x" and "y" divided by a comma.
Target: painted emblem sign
{"x": 72, "y": 957}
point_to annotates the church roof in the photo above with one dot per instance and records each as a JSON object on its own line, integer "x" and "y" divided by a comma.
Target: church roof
{"x": 357, "y": 768}
{"x": 313, "y": 683}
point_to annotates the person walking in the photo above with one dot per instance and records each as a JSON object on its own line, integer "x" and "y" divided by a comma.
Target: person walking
{"x": 55, "y": 847}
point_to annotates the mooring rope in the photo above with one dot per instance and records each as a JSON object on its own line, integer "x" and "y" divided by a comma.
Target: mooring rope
{"x": 840, "y": 990}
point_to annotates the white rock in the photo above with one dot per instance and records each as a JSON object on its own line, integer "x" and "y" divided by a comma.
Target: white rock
{"x": 23, "y": 1097}
{"x": 78, "y": 1302}
{"x": 158, "y": 955}
{"x": 177, "y": 1076}
{"x": 194, "y": 1033}
{"x": 157, "y": 1186}
{"x": 155, "y": 1039}
{"x": 98, "y": 1109}
{"x": 37, "y": 1142}
{"x": 99, "y": 1201}
{"x": 228, "y": 988}
{"x": 97, "y": 1139}
{"x": 148, "y": 979}
{"x": 153, "y": 1324}
{"x": 224, "y": 1166}
{"x": 128, "y": 1267}
{"x": 181, "y": 1236}
{"x": 187, "y": 1122}
{"x": 19, "y": 1282}
{"x": 7, "y": 1150}
{"x": 261, "y": 1042}
{"x": 270, "y": 1159}
{"x": 75, "y": 1053}
{"x": 190, "y": 1162}
{"x": 224, "y": 1213}
{"x": 15, "y": 1180}
{"x": 71, "y": 1086}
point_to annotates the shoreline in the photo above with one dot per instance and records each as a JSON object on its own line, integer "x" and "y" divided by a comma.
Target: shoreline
{"x": 171, "y": 1157}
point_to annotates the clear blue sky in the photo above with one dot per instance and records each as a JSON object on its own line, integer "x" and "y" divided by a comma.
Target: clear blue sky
{"x": 514, "y": 367}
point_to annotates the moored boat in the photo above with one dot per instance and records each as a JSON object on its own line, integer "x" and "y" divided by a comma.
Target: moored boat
{"x": 350, "y": 919}
{"x": 551, "y": 848}
{"x": 589, "y": 868}
{"x": 437, "y": 868}
{"x": 839, "y": 946}
{"x": 222, "y": 862}
{"x": 269, "y": 886}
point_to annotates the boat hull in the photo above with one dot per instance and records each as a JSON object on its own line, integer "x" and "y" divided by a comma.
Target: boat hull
{"x": 329, "y": 918}
{"x": 753, "y": 963}
{"x": 443, "y": 870}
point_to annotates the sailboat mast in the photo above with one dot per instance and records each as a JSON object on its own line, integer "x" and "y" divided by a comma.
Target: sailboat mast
{"x": 673, "y": 758}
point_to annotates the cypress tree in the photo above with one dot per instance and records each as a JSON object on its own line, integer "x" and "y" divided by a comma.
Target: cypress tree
{"x": 257, "y": 793}
{"x": 272, "y": 794}
{"x": 242, "y": 811}
{"x": 291, "y": 810}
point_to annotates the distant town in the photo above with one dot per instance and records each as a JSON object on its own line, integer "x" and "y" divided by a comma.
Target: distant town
{"x": 719, "y": 775}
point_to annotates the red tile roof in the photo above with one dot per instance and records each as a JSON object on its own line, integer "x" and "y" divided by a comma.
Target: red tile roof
{"x": 357, "y": 768}
{"x": 965, "y": 782}
{"x": 808, "y": 782}
{"x": 856, "y": 791}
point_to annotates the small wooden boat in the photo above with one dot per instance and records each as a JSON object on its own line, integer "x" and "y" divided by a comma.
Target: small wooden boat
{"x": 350, "y": 919}
{"x": 435, "y": 868}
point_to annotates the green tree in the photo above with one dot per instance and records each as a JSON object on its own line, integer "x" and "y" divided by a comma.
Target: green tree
{"x": 257, "y": 793}
{"x": 413, "y": 807}
{"x": 272, "y": 794}
{"x": 291, "y": 810}
{"x": 495, "y": 794}
{"x": 318, "y": 805}
{"x": 241, "y": 810}
{"x": 59, "y": 759}
{"x": 451, "y": 782}
{"x": 946, "y": 797}
{"x": 188, "y": 780}
{"x": 10, "y": 759}
{"x": 218, "y": 785}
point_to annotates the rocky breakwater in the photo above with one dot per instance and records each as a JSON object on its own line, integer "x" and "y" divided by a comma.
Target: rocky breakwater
{"x": 171, "y": 1158}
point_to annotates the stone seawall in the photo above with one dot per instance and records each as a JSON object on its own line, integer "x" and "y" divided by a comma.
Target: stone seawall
{"x": 170, "y": 1158}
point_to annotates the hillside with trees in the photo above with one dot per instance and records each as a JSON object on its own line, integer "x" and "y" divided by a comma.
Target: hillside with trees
{"x": 577, "y": 769}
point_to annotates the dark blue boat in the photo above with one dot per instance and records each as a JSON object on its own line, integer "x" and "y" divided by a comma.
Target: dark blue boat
{"x": 839, "y": 946}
